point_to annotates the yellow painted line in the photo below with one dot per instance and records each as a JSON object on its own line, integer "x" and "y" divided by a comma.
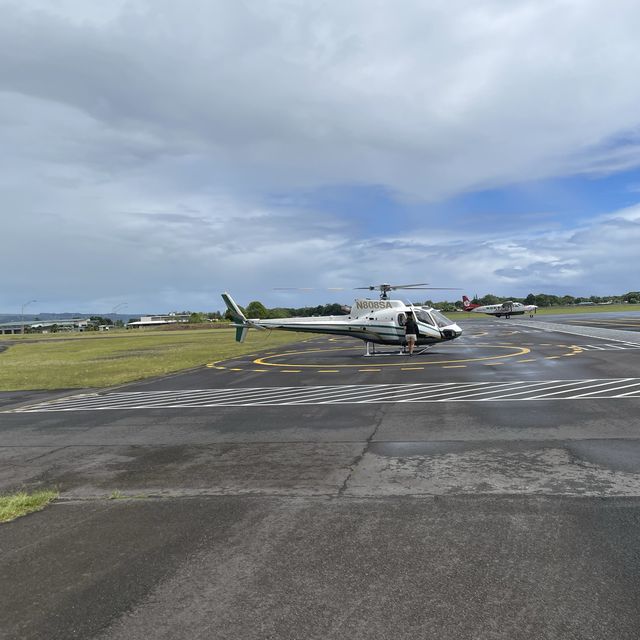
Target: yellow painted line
{"x": 454, "y": 366}
{"x": 329, "y": 371}
{"x": 552, "y": 357}
{"x": 368, "y": 370}
{"x": 492, "y": 364}
{"x": 411, "y": 368}
{"x": 234, "y": 369}
{"x": 518, "y": 351}
{"x": 260, "y": 370}
{"x": 527, "y": 360}
{"x": 290, "y": 371}
{"x": 566, "y": 355}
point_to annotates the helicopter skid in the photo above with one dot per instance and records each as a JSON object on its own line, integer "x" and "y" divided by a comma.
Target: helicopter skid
{"x": 370, "y": 350}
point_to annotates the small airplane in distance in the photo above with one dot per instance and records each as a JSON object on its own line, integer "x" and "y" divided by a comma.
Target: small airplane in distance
{"x": 506, "y": 309}
{"x": 373, "y": 321}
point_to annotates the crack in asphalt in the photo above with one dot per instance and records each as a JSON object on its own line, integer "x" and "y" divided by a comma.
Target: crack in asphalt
{"x": 367, "y": 444}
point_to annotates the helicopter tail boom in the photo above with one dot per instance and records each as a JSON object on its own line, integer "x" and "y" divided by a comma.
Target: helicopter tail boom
{"x": 240, "y": 321}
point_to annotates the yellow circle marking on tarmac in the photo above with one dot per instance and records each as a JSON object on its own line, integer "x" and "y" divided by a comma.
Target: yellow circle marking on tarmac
{"x": 518, "y": 351}
{"x": 446, "y": 364}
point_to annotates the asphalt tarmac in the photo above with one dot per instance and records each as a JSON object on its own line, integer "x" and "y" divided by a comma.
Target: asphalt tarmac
{"x": 487, "y": 488}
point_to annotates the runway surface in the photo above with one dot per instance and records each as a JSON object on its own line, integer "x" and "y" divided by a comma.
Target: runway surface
{"x": 627, "y": 321}
{"x": 488, "y": 487}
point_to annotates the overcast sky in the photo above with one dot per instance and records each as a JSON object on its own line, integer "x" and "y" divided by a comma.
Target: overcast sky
{"x": 157, "y": 153}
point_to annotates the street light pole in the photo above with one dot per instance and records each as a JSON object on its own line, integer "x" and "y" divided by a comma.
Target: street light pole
{"x": 113, "y": 311}
{"x": 22, "y": 313}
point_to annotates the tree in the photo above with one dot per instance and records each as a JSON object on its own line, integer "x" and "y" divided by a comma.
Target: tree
{"x": 490, "y": 299}
{"x": 633, "y": 297}
{"x": 96, "y": 321}
{"x": 256, "y": 309}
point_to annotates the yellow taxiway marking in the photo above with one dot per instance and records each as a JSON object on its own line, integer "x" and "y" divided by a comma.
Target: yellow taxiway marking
{"x": 492, "y": 364}
{"x": 518, "y": 351}
{"x": 411, "y": 368}
{"x": 368, "y": 370}
{"x": 444, "y": 364}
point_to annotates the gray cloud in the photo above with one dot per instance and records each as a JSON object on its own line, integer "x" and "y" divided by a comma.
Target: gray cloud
{"x": 143, "y": 142}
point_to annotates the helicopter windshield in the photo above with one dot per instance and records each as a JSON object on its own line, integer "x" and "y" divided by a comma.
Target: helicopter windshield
{"x": 423, "y": 316}
{"x": 441, "y": 319}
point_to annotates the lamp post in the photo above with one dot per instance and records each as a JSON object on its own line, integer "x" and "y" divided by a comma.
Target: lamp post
{"x": 22, "y": 313}
{"x": 113, "y": 311}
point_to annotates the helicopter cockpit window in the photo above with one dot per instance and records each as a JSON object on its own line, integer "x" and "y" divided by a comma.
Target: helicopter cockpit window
{"x": 441, "y": 319}
{"x": 423, "y": 316}
{"x": 402, "y": 319}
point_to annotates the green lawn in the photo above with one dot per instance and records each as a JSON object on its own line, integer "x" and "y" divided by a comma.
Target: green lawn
{"x": 100, "y": 360}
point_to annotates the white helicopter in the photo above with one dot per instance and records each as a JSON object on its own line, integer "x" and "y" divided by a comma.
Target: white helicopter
{"x": 373, "y": 321}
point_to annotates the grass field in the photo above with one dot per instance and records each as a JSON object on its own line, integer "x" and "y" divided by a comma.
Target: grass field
{"x": 19, "y": 504}
{"x": 88, "y": 360}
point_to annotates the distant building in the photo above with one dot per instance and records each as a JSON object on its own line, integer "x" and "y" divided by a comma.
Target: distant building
{"x": 154, "y": 321}
{"x": 44, "y": 326}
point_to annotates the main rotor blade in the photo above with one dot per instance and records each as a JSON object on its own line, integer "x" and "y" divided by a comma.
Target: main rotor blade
{"x": 407, "y": 286}
{"x": 308, "y": 289}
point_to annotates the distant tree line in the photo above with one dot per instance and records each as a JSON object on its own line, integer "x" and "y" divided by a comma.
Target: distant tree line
{"x": 542, "y": 300}
{"x": 256, "y": 309}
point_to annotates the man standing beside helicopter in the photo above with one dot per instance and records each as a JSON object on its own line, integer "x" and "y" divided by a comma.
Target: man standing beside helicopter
{"x": 410, "y": 332}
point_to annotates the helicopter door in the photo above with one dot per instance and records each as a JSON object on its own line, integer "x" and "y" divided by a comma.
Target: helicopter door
{"x": 402, "y": 319}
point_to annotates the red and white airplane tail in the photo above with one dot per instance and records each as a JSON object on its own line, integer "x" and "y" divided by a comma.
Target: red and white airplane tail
{"x": 467, "y": 305}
